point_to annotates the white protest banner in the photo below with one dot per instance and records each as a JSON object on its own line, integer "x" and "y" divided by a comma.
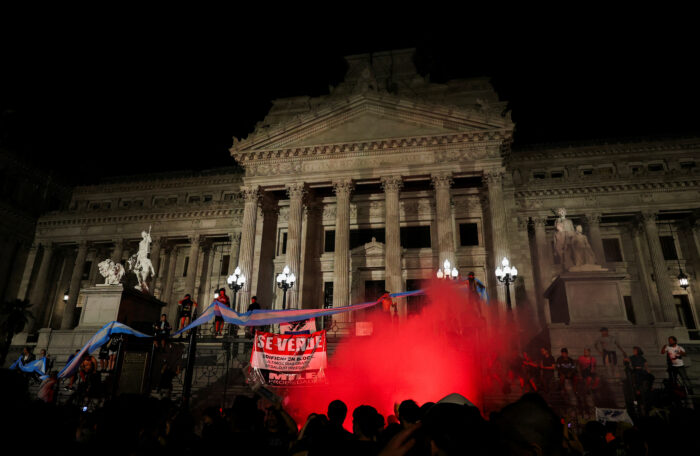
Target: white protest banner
{"x": 608, "y": 414}
{"x": 289, "y": 359}
{"x": 299, "y": 327}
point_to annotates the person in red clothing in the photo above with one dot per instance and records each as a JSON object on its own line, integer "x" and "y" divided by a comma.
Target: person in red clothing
{"x": 219, "y": 321}
{"x": 587, "y": 369}
{"x": 388, "y": 306}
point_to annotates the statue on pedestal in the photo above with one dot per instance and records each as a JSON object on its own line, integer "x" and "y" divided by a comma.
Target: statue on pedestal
{"x": 140, "y": 264}
{"x": 111, "y": 271}
{"x": 571, "y": 246}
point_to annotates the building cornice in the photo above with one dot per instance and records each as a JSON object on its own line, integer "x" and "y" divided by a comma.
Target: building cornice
{"x": 80, "y": 219}
{"x": 159, "y": 184}
{"x": 602, "y": 150}
{"x": 341, "y": 150}
{"x": 606, "y": 186}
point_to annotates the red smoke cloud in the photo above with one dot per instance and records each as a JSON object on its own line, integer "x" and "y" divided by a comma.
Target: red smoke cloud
{"x": 443, "y": 350}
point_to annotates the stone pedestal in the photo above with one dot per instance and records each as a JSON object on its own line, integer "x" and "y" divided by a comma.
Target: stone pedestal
{"x": 104, "y": 303}
{"x": 591, "y": 297}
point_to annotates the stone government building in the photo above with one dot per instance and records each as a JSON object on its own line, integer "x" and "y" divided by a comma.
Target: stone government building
{"x": 373, "y": 186}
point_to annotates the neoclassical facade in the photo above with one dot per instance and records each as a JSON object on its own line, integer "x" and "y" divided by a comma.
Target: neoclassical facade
{"x": 374, "y": 186}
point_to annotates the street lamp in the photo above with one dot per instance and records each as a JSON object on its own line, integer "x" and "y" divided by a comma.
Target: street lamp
{"x": 682, "y": 278}
{"x": 285, "y": 281}
{"x": 507, "y": 275}
{"x": 447, "y": 272}
{"x": 235, "y": 283}
{"x": 66, "y": 296}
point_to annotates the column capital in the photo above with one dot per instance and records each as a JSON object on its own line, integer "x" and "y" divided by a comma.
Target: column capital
{"x": 235, "y": 238}
{"x": 251, "y": 194}
{"x": 296, "y": 190}
{"x": 493, "y": 176}
{"x": 343, "y": 187}
{"x": 442, "y": 180}
{"x": 593, "y": 218}
{"x": 195, "y": 239}
{"x": 392, "y": 183}
{"x": 539, "y": 221}
{"x": 47, "y": 244}
{"x": 648, "y": 216}
{"x": 523, "y": 222}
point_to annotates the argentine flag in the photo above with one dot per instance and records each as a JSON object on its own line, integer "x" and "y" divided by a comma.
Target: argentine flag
{"x": 37, "y": 366}
{"x": 99, "y": 339}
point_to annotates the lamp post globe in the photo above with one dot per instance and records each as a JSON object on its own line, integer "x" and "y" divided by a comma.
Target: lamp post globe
{"x": 235, "y": 281}
{"x": 285, "y": 281}
{"x": 506, "y": 274}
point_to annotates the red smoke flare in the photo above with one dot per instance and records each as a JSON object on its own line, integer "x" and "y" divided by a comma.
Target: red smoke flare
{"x": 445, "y": 349}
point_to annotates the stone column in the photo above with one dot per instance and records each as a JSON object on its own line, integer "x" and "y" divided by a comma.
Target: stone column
{"x": 38, "y": 290}
{"x": 652, "y": 311}
{"x": 251, "y": 196}
{"x": 341, "y": 257}
{"x": 118, "y": 250}
{"x": 296, "y": 194}
{"x": 663, "y": 286}
{"x": 169, "y": 276}
{"x": 543, "y": 265}
{"x": 596, "y": 240}
{"x": 205, "y": 297}
{"x": 192, "y": 266}
{"x": 27, "y": 275}
{"x": 234, "y": 252}
{"x": 392, "y": 252}
{"x": 443, "y": 215}
{"x": 155, "y": 260}
{"x": 499, "y": 229}
{"x": 74, "y": 287}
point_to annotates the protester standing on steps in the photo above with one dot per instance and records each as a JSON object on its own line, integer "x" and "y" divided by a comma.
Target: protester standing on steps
{"x": 607, "y": 346}
{"x": 254, "y": 305}
{"x": 219, "y": 321}
{"x": 186, "y": 307}
{"x": 674, "y": 359}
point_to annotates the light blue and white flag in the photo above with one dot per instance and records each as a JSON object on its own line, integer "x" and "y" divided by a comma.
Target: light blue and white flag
{"x": 38, "y": 366}
{"x": 99, "y": 339}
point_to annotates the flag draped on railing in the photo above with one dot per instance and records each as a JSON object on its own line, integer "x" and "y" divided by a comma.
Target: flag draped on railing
{"x": 99, "y": 339}
{"x": 37, "y": 366}
{"x": 264, "y": 317}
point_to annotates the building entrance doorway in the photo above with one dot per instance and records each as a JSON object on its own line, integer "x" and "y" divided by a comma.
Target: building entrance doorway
{"x": 374, "y": 289}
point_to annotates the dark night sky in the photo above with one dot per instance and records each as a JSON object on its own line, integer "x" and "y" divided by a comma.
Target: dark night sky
{"x": 173, "y": 92}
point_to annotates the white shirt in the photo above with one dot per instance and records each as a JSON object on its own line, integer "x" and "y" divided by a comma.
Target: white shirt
{"x": 674, "y": 354}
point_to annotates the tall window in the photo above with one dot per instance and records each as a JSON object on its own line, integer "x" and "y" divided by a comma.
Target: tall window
{"x": 668, "y": 247}
{"x": 187, "y": 264}
{"x": 224, "y": 264}
{"x": 282, "y": 250}
{"x": 468, "y": 234}
{"x": 415, "y": 237}
{"x": 611, "y": 248}
{"x": 329, "y": 241}
{"x": 685, "y": 315}
{"x": 630, "y": 309}
{"x": 327, "y": 303}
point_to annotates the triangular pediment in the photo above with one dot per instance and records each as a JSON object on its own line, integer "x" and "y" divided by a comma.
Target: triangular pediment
{"x": 369, "y": 126}
{"x": 372, "y": 248}
{"x": 367, "y": 117}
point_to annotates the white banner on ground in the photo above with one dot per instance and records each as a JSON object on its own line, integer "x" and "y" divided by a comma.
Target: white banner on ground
{"x": 609, "y": 414}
